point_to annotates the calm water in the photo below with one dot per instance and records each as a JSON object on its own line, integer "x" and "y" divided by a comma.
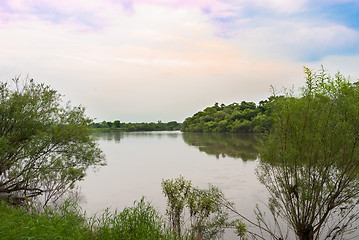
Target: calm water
{"x": 137, "y": 163}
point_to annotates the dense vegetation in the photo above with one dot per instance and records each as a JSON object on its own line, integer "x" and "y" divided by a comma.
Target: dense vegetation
{"x": 310, "y": 160}
{"x": 309, "y": 165}
{"x": 134, "y": 127}
{"x": 204, "y": 207}
{"x": 45, "y": 145}
{"x": 67, "y": 221}
{"x": 237, "y": 118}
{"x": 245, "y": 117}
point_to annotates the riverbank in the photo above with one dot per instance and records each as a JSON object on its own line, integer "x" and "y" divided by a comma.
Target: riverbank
{"x": 68, "y": 221}
{"x": 137, "y": 127}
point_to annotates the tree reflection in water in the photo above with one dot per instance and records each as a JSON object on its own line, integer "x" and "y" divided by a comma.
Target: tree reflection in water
{"x": 234, "y": 145}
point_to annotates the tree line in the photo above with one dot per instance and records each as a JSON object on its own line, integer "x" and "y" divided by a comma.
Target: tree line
{"x": 309, "y": 164}
{"x": 235, "y": 117}
{"x": 244, "y": 117}
{"x": 134, "y": 127}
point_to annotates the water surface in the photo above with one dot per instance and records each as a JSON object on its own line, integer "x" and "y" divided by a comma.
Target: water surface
{"x": 138, "y": 161}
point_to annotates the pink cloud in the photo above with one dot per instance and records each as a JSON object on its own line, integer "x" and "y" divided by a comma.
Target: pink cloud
{"x": 96, "y": 14}
{"x": 88, "y": 14}
{"x": 213, "y": 8}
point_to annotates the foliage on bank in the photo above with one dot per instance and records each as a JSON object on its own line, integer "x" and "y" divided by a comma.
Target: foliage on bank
{"x": 68, "y": 221}
{"x": 205, "y": 209}
{"x": 136, "y": 127}
{"x": 246, "y": 117}
{"x": 45, "y": 144}
{"x": 310, "y": 160}
{"x": 236, "y": 118}
{"x": 309, "y": 165}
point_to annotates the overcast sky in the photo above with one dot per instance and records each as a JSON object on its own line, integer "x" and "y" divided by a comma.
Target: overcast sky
{"x": 150, "y": 60}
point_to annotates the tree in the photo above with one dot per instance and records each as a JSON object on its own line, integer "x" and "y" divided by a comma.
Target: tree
{"x": 45, "y": 145}
{"x": 310, "y": 160}
{"x": 244, "y": 117}
{"x": 208, "y": 217}
{"x": 117, "y": 123}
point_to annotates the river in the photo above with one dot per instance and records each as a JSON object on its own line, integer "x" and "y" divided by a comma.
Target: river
{"x": 138, "y": 161}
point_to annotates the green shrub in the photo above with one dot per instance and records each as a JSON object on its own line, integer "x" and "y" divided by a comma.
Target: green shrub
{"x": 68, "y": 222}
{"x": 208, "y": 217}
{"x": 141, "y": 221}
{"x": 64, "y": 222}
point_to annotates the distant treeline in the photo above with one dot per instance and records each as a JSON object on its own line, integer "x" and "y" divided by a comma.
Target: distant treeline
{"x": 237, "y": 118}
{"x": 133, "y": 127}
{"x": 244, "y": 117}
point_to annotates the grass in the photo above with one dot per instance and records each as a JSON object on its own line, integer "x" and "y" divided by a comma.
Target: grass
{"x": 68, "y": 221}
{"x": 64, "y": 222}
{"x": 139, "y": 222}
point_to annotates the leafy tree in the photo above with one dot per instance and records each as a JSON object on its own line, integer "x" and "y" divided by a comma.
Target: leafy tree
{"x": 310, "y": 160}
{"x": 109, "y": 124}
{"x": 117, "y": 123}
{"x": 235, "y": 117}
{"x": 177, "y": 192}
{"x": 173, "y": 125}
{"x": 206, "y": 209}
{"x": 45, "y": 145}
{"x": 247, "y": 105}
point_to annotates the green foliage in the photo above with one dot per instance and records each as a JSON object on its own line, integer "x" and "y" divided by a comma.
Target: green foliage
{"x": 206, "y": 209}
{"x": 310, "y": 160}
{"x": 45, "y": 145}
{"x": 67, "y": 221}
{"x": 134, "y": 127}
{"x": 241, "y": 230}
{"x": 177, "y": 192}
{"x": 117, "y": 123}
{"x": 237, "y": 118}
{"x": 64, "y": 222}
{"x": 140, "y": 222}
{"x": 207, "y": 213}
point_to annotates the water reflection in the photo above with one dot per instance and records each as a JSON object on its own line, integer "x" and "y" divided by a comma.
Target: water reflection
{"x": 239, "y": 145}
{"x": 116, "y": 136}
{"x": 137, "y": 162}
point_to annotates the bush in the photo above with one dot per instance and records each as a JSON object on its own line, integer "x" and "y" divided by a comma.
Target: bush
{"x": 141, "y": 221}
{"x": 68, "y": 222}
{"x": 64, "y": 222}
{"x": 45, "y": 145}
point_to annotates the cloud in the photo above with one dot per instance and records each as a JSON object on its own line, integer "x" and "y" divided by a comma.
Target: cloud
{"x": 212, "y": 8}
{"x": 300, "y": 40}
{"x": 149, "y": 60}
{"x": 297, "y": 30}
{"x": 281, "y": 6}
{"x": 140, "y": 69}
{"x": 92, "y": 15}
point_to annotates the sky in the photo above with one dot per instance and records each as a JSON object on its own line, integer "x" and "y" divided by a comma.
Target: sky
{"x": 151, "y": 60}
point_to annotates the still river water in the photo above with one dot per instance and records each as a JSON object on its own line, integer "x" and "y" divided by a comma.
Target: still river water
{"x": 138, "y": 161}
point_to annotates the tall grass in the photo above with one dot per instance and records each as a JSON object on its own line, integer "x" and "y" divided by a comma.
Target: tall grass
{"x": 63, "y": 222}
{"x": 139, "y": 222}
{"x": 68, "y": 221}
